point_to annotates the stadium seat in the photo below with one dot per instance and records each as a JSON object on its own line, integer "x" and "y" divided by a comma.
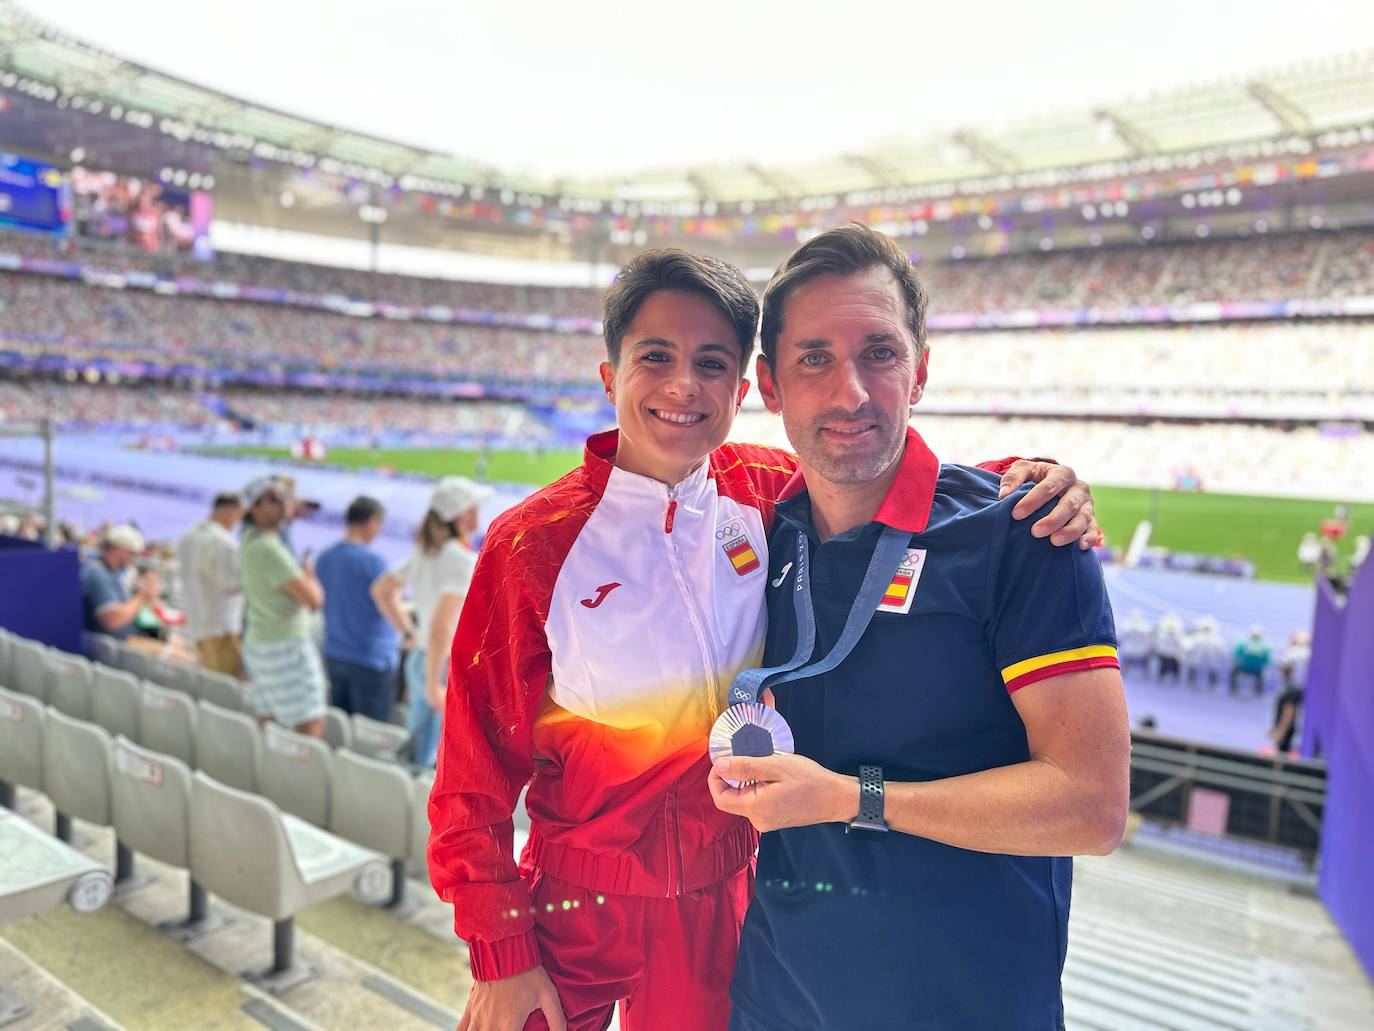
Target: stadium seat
{"x": 40, "y": 872}
{"x": 295, "y": 772}
{"x": 373, "y": 806}
{"x": 167, "y": 722}
{"x": 22, "y": 722}
{"x": 139, "y": 663}
{"x": 338, "y": 732}
{"x": 419, "y": 825}
{"x": 115, "y": 700}
{"x": 218, "y": 689}
{"x": 103, "y": 649}
{"x": 78, "y": 767}
{"x": 228, "y": 746}
{"x": 151, "y": 802}
{"x": 29, "y": 668}
{"x": 69, "y": 684}
{"x": 175, "y": 676}
{"x": 5, "y": 645}
{"x": 377, "y": 739}
{"x": 245, "y": 850}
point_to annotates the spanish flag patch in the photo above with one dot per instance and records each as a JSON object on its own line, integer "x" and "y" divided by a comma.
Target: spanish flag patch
{"x": 735, "y": 543}
{"x": 901, "y": 589}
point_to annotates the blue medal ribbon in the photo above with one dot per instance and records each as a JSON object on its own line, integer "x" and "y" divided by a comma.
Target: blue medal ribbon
{"x": 749, "y": 684}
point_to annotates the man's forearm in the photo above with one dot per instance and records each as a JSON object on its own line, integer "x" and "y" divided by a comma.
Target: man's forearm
{"x": 1033, "y": 808}
{"x": 117, "y": 615}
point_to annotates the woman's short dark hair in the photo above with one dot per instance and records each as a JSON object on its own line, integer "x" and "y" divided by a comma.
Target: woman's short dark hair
{"x": 673, "y": 269}
{"x": 842, "y": 251}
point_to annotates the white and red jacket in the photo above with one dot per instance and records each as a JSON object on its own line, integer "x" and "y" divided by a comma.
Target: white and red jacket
{"x": 607, "y": 617}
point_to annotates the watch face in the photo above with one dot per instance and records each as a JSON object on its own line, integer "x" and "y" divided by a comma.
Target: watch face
{"x": 752, "y": 729}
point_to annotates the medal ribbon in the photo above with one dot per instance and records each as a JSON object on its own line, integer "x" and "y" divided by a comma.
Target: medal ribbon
{"x": 749, "y": 684}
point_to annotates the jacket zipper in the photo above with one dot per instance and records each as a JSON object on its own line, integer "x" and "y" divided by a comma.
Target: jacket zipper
{"x": 710, "y": 670}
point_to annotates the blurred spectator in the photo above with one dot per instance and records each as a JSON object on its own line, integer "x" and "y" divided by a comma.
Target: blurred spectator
{"x": 1249, "y": 660}
{"x": 1169, "y": 645}
{"x": 282, "y": 660}
{"x": 1286, "y": 711}
{"x": 212, "y": 586}
{"x": 110, "y": 607}
{"x": 438, "y": 573}
{"x": 359, "y": 643}
{"x": 1133, "y": 641}
{"x": 1297, "y": 656}
{"x": 1309, "y": 550}
{"x": 1206, "y": 657}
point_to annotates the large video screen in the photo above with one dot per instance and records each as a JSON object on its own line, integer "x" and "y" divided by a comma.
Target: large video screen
{"x": 31, "y": 194}
{"x": 143, "y": 212}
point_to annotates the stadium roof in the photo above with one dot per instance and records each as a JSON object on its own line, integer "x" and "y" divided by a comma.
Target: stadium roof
{"x": 1169, "y": 129}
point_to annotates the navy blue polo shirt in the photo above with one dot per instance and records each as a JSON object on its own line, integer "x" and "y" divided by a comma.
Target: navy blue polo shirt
{"x": 888, "y": 930}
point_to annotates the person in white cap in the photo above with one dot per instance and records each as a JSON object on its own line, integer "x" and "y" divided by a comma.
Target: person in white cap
{"x": 438, "y": 573}
{"x": 109, "y": 606}
{"x": 282, "y": 660}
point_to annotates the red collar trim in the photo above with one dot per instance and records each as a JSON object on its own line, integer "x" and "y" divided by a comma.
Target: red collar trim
{"x": 601, "y": 448}
{"x": 908, "y": 502}
{"x": 909, "y": 499}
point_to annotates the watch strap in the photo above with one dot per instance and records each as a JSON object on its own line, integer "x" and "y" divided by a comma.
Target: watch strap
{"x": 870, "y": 816}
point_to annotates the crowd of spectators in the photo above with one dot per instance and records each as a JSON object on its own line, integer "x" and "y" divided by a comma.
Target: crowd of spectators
{"x": 1228, "y": 458}
{"x": 81, "y": 403}
{"x": 1256, "y": 268}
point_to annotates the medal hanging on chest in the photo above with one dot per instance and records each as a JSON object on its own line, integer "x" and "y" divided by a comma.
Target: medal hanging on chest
{"x": 750, "y": 728}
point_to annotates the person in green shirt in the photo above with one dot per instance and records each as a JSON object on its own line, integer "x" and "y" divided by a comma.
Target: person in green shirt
{"x": 279, "y": 593}
{"x": 1250, "y": 659}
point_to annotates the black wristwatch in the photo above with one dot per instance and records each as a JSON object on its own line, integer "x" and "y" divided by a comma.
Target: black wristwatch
{"x": 870, "y": 816}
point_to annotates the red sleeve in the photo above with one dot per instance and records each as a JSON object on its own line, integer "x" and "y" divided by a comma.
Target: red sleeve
{"x": 497, "y": 675}
{"x": 1001, "y": 465}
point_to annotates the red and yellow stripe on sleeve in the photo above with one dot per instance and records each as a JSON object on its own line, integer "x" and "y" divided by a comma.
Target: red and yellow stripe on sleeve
{"x": 1042, "y": 667}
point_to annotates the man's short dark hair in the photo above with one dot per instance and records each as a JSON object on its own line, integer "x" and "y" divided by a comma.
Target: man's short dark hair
{"x": 842, "y": 251}
{"x": 362, "y": 510}
{"x": 673, "y": 269}
{"x": 228, "y": 499}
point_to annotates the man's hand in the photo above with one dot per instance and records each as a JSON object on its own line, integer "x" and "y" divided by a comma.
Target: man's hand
{"x": 434, "y": 694}
{"x": 786, "y": 791}
{"x": 504, "y": 1005}
{"x": 1073, "y": 519}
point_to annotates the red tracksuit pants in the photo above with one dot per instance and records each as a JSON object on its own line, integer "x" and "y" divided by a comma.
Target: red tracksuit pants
{"x": 666, "y": 962}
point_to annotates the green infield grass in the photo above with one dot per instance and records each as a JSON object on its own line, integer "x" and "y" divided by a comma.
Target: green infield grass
{"x": 1264, "y": 530}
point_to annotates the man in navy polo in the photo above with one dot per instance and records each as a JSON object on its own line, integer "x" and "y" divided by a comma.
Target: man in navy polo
{"x": 913, "y": 873}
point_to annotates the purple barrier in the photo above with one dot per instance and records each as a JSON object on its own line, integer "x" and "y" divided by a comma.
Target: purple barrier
{"x": 42, "y": 595}
{"x": 1348, "y": 833}
{"x": 1319, "y": 701}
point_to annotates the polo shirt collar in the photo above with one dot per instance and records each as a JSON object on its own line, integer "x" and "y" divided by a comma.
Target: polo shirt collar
{"x": 908, "y": 501}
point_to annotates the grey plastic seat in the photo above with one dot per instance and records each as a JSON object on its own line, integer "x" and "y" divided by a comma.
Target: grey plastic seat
{"x": 228, "y": 746}
{"x": 116, "y": 698}
{"x": 338, "y": 731}
{"x": 174, "y": 676}
{"x": 377, "y": 739}
{"x": 419, "y": 824}
{"x": 5, "y": 645}
{"x": 102, "y": 648}
{"x": 29, "y": 668}
{"x": 78, "y": 769}
{"x": 248, "y": 852}
{"x": 22, "y": 724}
{"x": 373, "y": 806}
{"x": 137, "y": 662}
{"x": 150, "y": 799}
{"x": 219, "y": 689}
{"x": 167, "y": 722}
{"x": 70, "y": 680}
{"x": 40, "y": 873}
{"x": 296, "y": 772}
